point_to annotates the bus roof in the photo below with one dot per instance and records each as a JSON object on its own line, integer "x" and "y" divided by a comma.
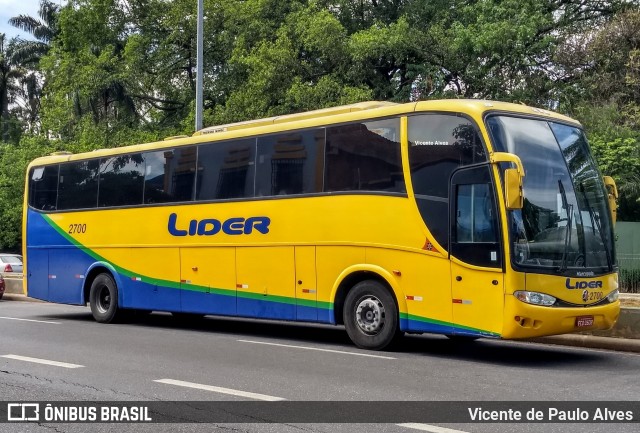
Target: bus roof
{"x": 308, "y": 119}
{"x": 324, "y": 112}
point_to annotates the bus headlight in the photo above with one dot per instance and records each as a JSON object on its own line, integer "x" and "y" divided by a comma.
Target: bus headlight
{"x": 534, "y": 298}
{"x": 613, "y": 296}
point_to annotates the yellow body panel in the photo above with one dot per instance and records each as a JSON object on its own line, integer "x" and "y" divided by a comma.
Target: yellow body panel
{"x": 208, "y": 267}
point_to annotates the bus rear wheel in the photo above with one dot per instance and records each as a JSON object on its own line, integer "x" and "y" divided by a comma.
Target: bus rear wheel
{"x": 370, "y": 315}
{"x": 103, "y": 299}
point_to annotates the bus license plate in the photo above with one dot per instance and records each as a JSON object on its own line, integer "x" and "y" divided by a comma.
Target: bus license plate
{"x": 584, "y": 321}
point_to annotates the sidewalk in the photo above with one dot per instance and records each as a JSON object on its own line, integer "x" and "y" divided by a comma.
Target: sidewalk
{"x": 624, "y": 337}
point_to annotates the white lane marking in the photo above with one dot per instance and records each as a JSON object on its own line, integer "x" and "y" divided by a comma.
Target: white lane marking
{"x": 317, "y": 349}
{"x": 429, "y": 428}
{"x": 30, "y": 320}
{"x": 221, "y": 390}
{"x": 42, "y": 361}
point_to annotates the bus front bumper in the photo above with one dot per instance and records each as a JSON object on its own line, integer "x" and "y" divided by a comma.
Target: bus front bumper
{"x": 526, "y": 321}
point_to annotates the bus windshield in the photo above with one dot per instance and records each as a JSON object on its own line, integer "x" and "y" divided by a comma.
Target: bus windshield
{"x": 565, "y": 223}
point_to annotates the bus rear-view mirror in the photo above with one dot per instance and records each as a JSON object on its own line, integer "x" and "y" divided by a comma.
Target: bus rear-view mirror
{"x": 513, "y": 189}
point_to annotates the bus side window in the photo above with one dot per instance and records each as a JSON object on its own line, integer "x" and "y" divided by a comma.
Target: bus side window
{"x": 438, "y": 145}
{"x": 121, "y": 180}
{"x": 226, "y": 170}
{"x": 43, "y": 187}
{"x": 364, "y": 157}
{"x": 170, "y": 175}
{"x": 78, "y": 185}
{"x": 290, "y": 163}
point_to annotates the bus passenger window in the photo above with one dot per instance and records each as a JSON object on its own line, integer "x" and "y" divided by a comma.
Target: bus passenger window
{"x": 170, "y": 175}
{"x": 364, "y": 157}
{"x": 78, "y": 185}
{"x": 43, "y": 187}
{"x": 438, "y": 145}
{"x": 121, "y": 180}
{"x": 290, "y": 163}
{"x": 226, "y": 170}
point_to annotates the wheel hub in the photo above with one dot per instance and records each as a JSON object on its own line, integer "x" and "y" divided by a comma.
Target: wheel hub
{"x": 370, "y": 315}
{"x": 104, "y": 300}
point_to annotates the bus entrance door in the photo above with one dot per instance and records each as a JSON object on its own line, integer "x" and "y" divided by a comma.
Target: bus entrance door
{"x": 477, "y": 277}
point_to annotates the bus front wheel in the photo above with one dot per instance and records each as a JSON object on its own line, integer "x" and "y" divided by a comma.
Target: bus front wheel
{"x": 370, "y": 315}
{"x": 103, "y": 299}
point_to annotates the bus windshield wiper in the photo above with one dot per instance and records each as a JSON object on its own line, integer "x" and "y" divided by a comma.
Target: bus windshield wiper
{"x": 567, "y": 235}
{"x": 595, "y": 221}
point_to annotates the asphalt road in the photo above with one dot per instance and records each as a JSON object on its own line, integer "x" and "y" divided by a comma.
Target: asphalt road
{"x": 54, "y": 352}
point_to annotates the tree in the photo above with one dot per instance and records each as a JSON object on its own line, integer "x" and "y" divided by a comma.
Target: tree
{"x": 303, "y": 66}
{"x": 604, "y": 94}
{"x": 13, "y": 163}
{"x": 28, "y": 53}
{"x": 10, "y": 73}
{"x": 43, "y": 30}
{"x": 122, "y": 65}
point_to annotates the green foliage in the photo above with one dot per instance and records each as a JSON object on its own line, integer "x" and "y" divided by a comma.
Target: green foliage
{"x": 381, "y": 56}
{"x": 493, "y": 49}
{"x": 14, "y": 161}
{"x": 125, "y": 66}
{"x": 630, "y": 280}
{"x": 10, "y": 75}
{"x": 303, "y": 64}
{"x": 606, "y": 99}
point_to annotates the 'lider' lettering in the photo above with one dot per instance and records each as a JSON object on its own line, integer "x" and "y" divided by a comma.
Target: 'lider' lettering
{"x": 211, "y": 226}
{"x": 583, "y": 284}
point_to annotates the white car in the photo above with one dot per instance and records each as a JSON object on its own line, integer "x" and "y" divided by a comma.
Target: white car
{"x": 11, "y": 271}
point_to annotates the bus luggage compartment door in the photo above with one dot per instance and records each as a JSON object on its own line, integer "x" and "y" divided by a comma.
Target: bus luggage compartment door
{"x": 208, "y": 280}
{"x": 265, "y": 282}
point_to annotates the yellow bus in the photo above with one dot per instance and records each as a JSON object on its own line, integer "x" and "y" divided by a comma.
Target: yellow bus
{"x": 460, "y": 217}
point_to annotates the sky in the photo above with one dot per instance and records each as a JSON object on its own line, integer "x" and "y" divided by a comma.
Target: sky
{"x": 13, "y": 8}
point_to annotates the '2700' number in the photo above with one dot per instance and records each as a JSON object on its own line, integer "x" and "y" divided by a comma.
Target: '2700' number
{"x": 77, "y": 228}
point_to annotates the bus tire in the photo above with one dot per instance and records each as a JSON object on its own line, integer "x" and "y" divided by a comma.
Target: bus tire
{"x": 370, "y": 315}
{"x": 103, "y": 299}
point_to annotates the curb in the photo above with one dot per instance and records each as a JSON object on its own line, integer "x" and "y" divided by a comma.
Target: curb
{"x": 591, "y": 342}
{"x": 18, "y": 297}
